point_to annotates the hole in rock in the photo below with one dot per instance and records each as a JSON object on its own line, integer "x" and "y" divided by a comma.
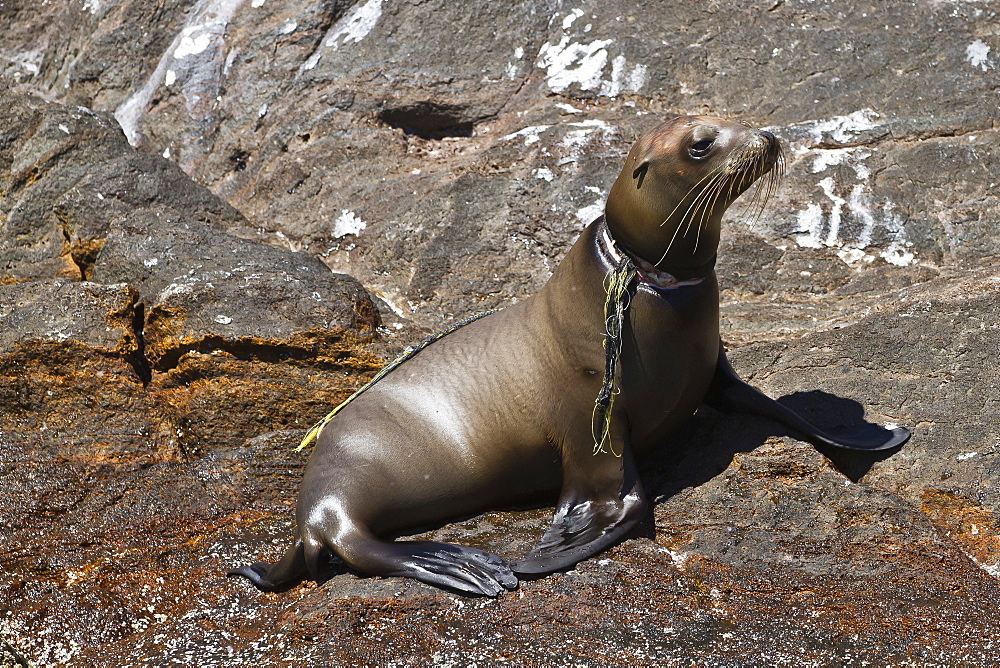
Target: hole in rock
{"x": 429, "y": 120}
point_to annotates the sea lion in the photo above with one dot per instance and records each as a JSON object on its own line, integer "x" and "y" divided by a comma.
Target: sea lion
{"x": 503, "y": 409}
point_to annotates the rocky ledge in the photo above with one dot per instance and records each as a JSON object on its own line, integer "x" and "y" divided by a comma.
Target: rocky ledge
{"x": 219, "y": 217}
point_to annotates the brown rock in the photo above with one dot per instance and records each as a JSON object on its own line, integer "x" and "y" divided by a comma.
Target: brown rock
{"x": 445, "y": 155}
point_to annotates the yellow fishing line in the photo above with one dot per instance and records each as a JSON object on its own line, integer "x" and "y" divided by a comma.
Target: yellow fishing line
{"x": 617, "y": 286}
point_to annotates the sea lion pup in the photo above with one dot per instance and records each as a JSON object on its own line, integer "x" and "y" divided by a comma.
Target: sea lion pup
{"x": 561, "y": 391}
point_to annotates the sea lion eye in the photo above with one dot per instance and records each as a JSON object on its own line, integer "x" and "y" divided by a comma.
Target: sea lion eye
{"x": 700, "y": 148}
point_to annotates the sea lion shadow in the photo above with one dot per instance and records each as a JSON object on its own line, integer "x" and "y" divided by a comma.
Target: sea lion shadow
{"x": 705, "y": 445}
{"x": 831, "y": 413}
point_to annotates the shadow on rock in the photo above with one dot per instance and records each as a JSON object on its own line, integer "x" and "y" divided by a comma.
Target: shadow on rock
{"x": 705, "y": 446}
{"x": 831, "y": 413}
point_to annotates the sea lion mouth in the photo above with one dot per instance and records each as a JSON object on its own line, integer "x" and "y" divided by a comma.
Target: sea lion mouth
{"x": 752, "y": 161}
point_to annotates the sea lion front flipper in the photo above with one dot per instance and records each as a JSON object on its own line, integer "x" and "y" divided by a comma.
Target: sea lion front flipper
{"x": 730, "y": 392}
{"x": 600, "y": 501}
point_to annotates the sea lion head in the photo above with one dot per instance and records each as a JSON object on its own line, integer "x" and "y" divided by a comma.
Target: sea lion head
{"x": 666, "y": 206}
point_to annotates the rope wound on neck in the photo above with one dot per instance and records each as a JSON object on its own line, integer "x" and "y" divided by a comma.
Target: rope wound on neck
{"x": 618, "y": 288}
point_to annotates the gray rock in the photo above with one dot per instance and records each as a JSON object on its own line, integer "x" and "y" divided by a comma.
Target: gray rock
{"x": 100, "y": 317}
{"x": 66, "y": 173}
{"x": 314, "y": 118}
{"x": 207, "y": 290}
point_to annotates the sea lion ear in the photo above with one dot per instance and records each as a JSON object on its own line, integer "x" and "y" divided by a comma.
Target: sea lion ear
{"x": 640, "y": 173}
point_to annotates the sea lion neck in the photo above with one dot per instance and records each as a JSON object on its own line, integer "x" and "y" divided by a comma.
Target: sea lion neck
{"x": 611, "y": 252}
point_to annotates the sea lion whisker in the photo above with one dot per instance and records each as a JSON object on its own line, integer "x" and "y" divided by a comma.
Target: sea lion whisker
{"x": 706, "y": 214}
{"x": 757, "y": 199}
{"x": 733, "y": 183}
{"x": 758, "y": 204}
{"x": 698, "y": 206}
{"x": 700, "y": 200}
{"x": 770, "y": 185}
{"x": 745, "y": 167}
{"x": 706, "y": 207}
{"x": 680, "y": 224}
{"x": 669, "y": 246}
{"x": 703, "y": 211}
{"x": 683, "y": 199}
{"x": 755, "y": 204}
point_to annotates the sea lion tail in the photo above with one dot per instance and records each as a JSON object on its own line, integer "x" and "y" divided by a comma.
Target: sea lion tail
{"x": 267, "y": 577}
{"x": 313, "y": 550}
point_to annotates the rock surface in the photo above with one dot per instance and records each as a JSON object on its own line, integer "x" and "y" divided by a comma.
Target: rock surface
{"x": 178, "y": 179}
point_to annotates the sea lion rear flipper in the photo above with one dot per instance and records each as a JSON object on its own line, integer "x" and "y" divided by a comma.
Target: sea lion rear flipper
{"x": 600, "y": 501}
{"x": 456, "y": 567}
{"x": 462, "y": 569}
{"x": 729, "y": 392}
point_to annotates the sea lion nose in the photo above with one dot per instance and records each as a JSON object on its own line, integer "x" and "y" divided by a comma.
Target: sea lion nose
{"x": 771, "y": 141}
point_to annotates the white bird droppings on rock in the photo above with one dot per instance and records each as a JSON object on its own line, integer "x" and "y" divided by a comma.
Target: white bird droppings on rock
{"x": 348, "y": 223}
{"x": 976, "y": 54}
